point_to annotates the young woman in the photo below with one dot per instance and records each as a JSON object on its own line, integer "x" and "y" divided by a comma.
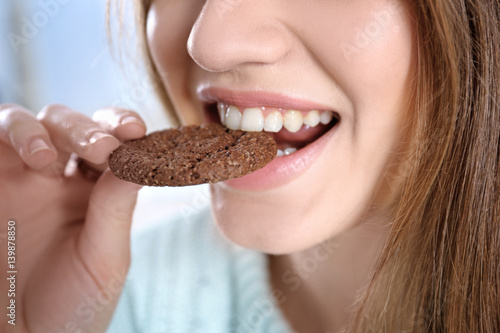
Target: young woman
{"x": 383, "y": 217}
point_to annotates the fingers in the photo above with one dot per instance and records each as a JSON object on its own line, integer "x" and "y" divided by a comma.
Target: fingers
{"x": 74, "y": 132}
{"x": 21, "y": 131}
{"x": 105, "y": 238}
{"x": 123, "y": 124}
{"x": 47, "y": 141}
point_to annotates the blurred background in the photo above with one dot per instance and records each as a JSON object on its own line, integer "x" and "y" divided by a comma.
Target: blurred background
{"x": 58, "y": 51}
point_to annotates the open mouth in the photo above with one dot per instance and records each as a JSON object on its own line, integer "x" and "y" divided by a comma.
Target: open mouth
{"x": 292, "y": 129}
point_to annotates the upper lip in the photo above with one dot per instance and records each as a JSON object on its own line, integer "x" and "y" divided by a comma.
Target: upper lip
{"x": 258, "y": 99}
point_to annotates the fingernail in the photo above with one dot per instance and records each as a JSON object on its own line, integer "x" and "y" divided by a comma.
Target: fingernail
{"x": 36, "y": 145}
{"x": 131, "y": 120}
{"x": 98, "y": 136}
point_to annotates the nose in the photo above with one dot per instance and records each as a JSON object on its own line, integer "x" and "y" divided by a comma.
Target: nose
{"x": 231, "y": 33}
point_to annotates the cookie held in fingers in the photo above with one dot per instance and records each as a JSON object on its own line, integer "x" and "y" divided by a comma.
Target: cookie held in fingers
{"x": 192, "y": 155}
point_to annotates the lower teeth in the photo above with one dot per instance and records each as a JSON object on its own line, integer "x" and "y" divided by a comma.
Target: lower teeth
{"x": 286, "y": 151}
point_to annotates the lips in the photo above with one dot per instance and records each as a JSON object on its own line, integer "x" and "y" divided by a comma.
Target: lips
{"x": 300, "y": 128}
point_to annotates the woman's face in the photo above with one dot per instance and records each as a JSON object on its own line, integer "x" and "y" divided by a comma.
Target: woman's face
{"x": 263, "y": 61}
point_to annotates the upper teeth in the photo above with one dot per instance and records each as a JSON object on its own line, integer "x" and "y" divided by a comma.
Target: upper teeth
{"x": 252, "y": 119}
{"x": 274, "y": 122}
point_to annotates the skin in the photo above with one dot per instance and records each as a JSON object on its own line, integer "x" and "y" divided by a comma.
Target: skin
{"x": 356, "y": 57}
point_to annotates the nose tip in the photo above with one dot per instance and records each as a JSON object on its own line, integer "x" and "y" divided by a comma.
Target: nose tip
{"x": 220, "y": 41}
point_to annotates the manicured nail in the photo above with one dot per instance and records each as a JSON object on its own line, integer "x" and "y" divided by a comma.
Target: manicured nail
{"x": 131, "y": 120}
{"x": 36, "y": 145}
{"x": 98, "y": 136}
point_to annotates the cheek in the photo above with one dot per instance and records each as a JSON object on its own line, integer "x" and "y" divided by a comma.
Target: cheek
{"x": 168, "y": 27}
{"x": 367, "y": 49}
{"x": 379, "y": 62}
{"x": 167, "y": 30}
{"x": 378, "y": 59}
{"x": 371, "y": 57}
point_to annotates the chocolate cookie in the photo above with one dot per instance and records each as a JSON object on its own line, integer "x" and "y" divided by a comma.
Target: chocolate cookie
{"x": 192, "y": 155}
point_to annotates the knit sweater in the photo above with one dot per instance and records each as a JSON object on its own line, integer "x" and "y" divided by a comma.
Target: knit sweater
{"x": 186, "y": 278}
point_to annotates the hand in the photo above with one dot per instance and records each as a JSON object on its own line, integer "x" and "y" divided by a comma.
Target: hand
{"x": 72, "y": 243}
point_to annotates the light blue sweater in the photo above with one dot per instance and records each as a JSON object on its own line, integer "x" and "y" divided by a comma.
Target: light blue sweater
{"x": 186, "y": 278}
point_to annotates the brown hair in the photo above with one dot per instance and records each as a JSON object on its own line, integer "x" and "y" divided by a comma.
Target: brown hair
{"x": 440, "y": 268}
{"x": 116, "y": 8}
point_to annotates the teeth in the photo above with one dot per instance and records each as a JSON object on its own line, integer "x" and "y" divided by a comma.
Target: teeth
{"x": 274, "y": 122}
{"x": 252, "y": 120}
{"x": 285, "y": 152}
{"x": 312, "y": 118}
{"x": 233, "y": 118}
{"x": 222, "y": 112}
{"x": 326, "y": 117}
{"x": 293, "y": 120}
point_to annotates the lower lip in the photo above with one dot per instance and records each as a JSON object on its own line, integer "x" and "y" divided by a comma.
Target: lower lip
{"x": 283, "y": 169}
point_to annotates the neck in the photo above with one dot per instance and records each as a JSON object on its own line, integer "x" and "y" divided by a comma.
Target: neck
{"x": 322, "y": 284}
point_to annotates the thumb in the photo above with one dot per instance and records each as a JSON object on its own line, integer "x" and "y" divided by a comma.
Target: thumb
{"x": 105, "y": 237}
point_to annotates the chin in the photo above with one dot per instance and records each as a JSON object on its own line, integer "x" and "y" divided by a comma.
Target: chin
{"x": 259, "y": 233}
{"x": 252, "y": 220}
{"x": 274, "y": 222}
